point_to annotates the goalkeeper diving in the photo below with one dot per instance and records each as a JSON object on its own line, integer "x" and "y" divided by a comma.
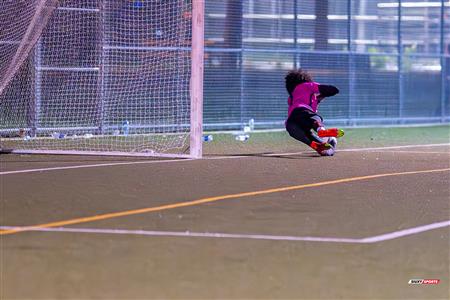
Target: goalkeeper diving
{"x": 304, "y": 123}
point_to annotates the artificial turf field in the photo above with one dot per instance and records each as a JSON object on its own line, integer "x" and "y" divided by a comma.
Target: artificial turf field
{"x": 262, "y": 219}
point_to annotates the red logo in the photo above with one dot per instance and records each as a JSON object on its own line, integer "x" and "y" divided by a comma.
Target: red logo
{"x": 430, "y": 281}
{"x": 424, "y": 281}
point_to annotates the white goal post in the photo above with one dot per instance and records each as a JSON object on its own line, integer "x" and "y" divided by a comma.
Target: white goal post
{"x": 198, "y": 40}
{"x": 104, "y": 77}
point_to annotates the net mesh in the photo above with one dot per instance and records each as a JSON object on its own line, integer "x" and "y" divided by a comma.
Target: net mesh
{"x": 103, "y": 76}
{"x": 22, "y": 23}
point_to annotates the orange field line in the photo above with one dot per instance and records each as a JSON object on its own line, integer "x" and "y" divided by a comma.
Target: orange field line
{"x": 210, "y": 199}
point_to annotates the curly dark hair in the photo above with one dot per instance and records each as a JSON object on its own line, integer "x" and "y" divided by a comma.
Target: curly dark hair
{"x": 296, "y": 77}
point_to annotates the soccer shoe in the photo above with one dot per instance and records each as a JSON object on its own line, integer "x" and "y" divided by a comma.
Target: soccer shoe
{"x": 320, "y": 147}
{"x": 330, "y": 152}
{"x": 332, "y": 132}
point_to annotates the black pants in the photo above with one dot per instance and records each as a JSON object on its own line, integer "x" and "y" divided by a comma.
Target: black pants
{"x": 301, "y": 122}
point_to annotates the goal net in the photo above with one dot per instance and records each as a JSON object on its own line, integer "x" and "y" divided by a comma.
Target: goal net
{"x": 101, "y": 76}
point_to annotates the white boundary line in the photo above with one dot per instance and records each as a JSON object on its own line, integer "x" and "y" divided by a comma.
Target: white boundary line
{"x": 367, "y": 240}
{"x": 394, "y": 147}
{"x": 342, "y": 150}
{"x": 206, "y": 158}
{"x": 413, "y": 152}
{"x": 93, "y": 166}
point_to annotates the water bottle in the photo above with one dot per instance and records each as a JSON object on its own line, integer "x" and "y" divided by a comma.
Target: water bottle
{"x": 138, "y": 4}
{"x": 242, "y": 137}
{"x": 58, "y": 135}
{"x": 207, "y": 138}
{"x": 251, "y": 124}
{"x": 126, "y": 127}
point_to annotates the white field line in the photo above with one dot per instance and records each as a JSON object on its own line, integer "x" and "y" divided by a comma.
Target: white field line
{"x": 367, "y": 240}
{"x": 373, "y": 149}
{"x": 394, "y": 147}
{"x": 206, "y": 158}
{"x": 413, "y": 152}
{"x": 93, "y": 166}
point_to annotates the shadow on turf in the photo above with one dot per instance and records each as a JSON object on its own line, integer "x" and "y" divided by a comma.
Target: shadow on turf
{"x": 268, "y": 155}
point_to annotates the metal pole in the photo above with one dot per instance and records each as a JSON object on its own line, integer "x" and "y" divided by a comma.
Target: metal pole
{"x": 241, "y": 66}
{"x": 36, "y": 111}
{"x": 241, "y": 86}
{"x": 351, "y": 65}
{"x": 400, "y": 61}
{"x": 296, "y": 65}
{"x": 198, "y": 29}
{"x": 101, "y": 76}
{"x": 349, "y": 25}
{"x": 443, "y": 63}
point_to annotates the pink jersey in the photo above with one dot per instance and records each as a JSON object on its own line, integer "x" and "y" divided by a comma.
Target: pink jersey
{"x": 304, "y": 95}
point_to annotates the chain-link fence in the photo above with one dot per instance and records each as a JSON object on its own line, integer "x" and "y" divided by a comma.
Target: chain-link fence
{"x": 390, "y": 59}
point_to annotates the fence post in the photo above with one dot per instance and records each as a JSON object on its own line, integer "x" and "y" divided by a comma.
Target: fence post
{"x": 296, "y": 59}
{"x": 443, "y": 63}
{"x": 37, "y": 95}
{"x": 101, "y": 69}
{"x": 400, "y": 62}
{"x": 241, "y": 64}
{"x": 351, "y": 65}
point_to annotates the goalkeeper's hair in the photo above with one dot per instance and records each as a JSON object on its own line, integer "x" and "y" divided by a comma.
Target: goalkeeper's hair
{"x": 296, "y": 77}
